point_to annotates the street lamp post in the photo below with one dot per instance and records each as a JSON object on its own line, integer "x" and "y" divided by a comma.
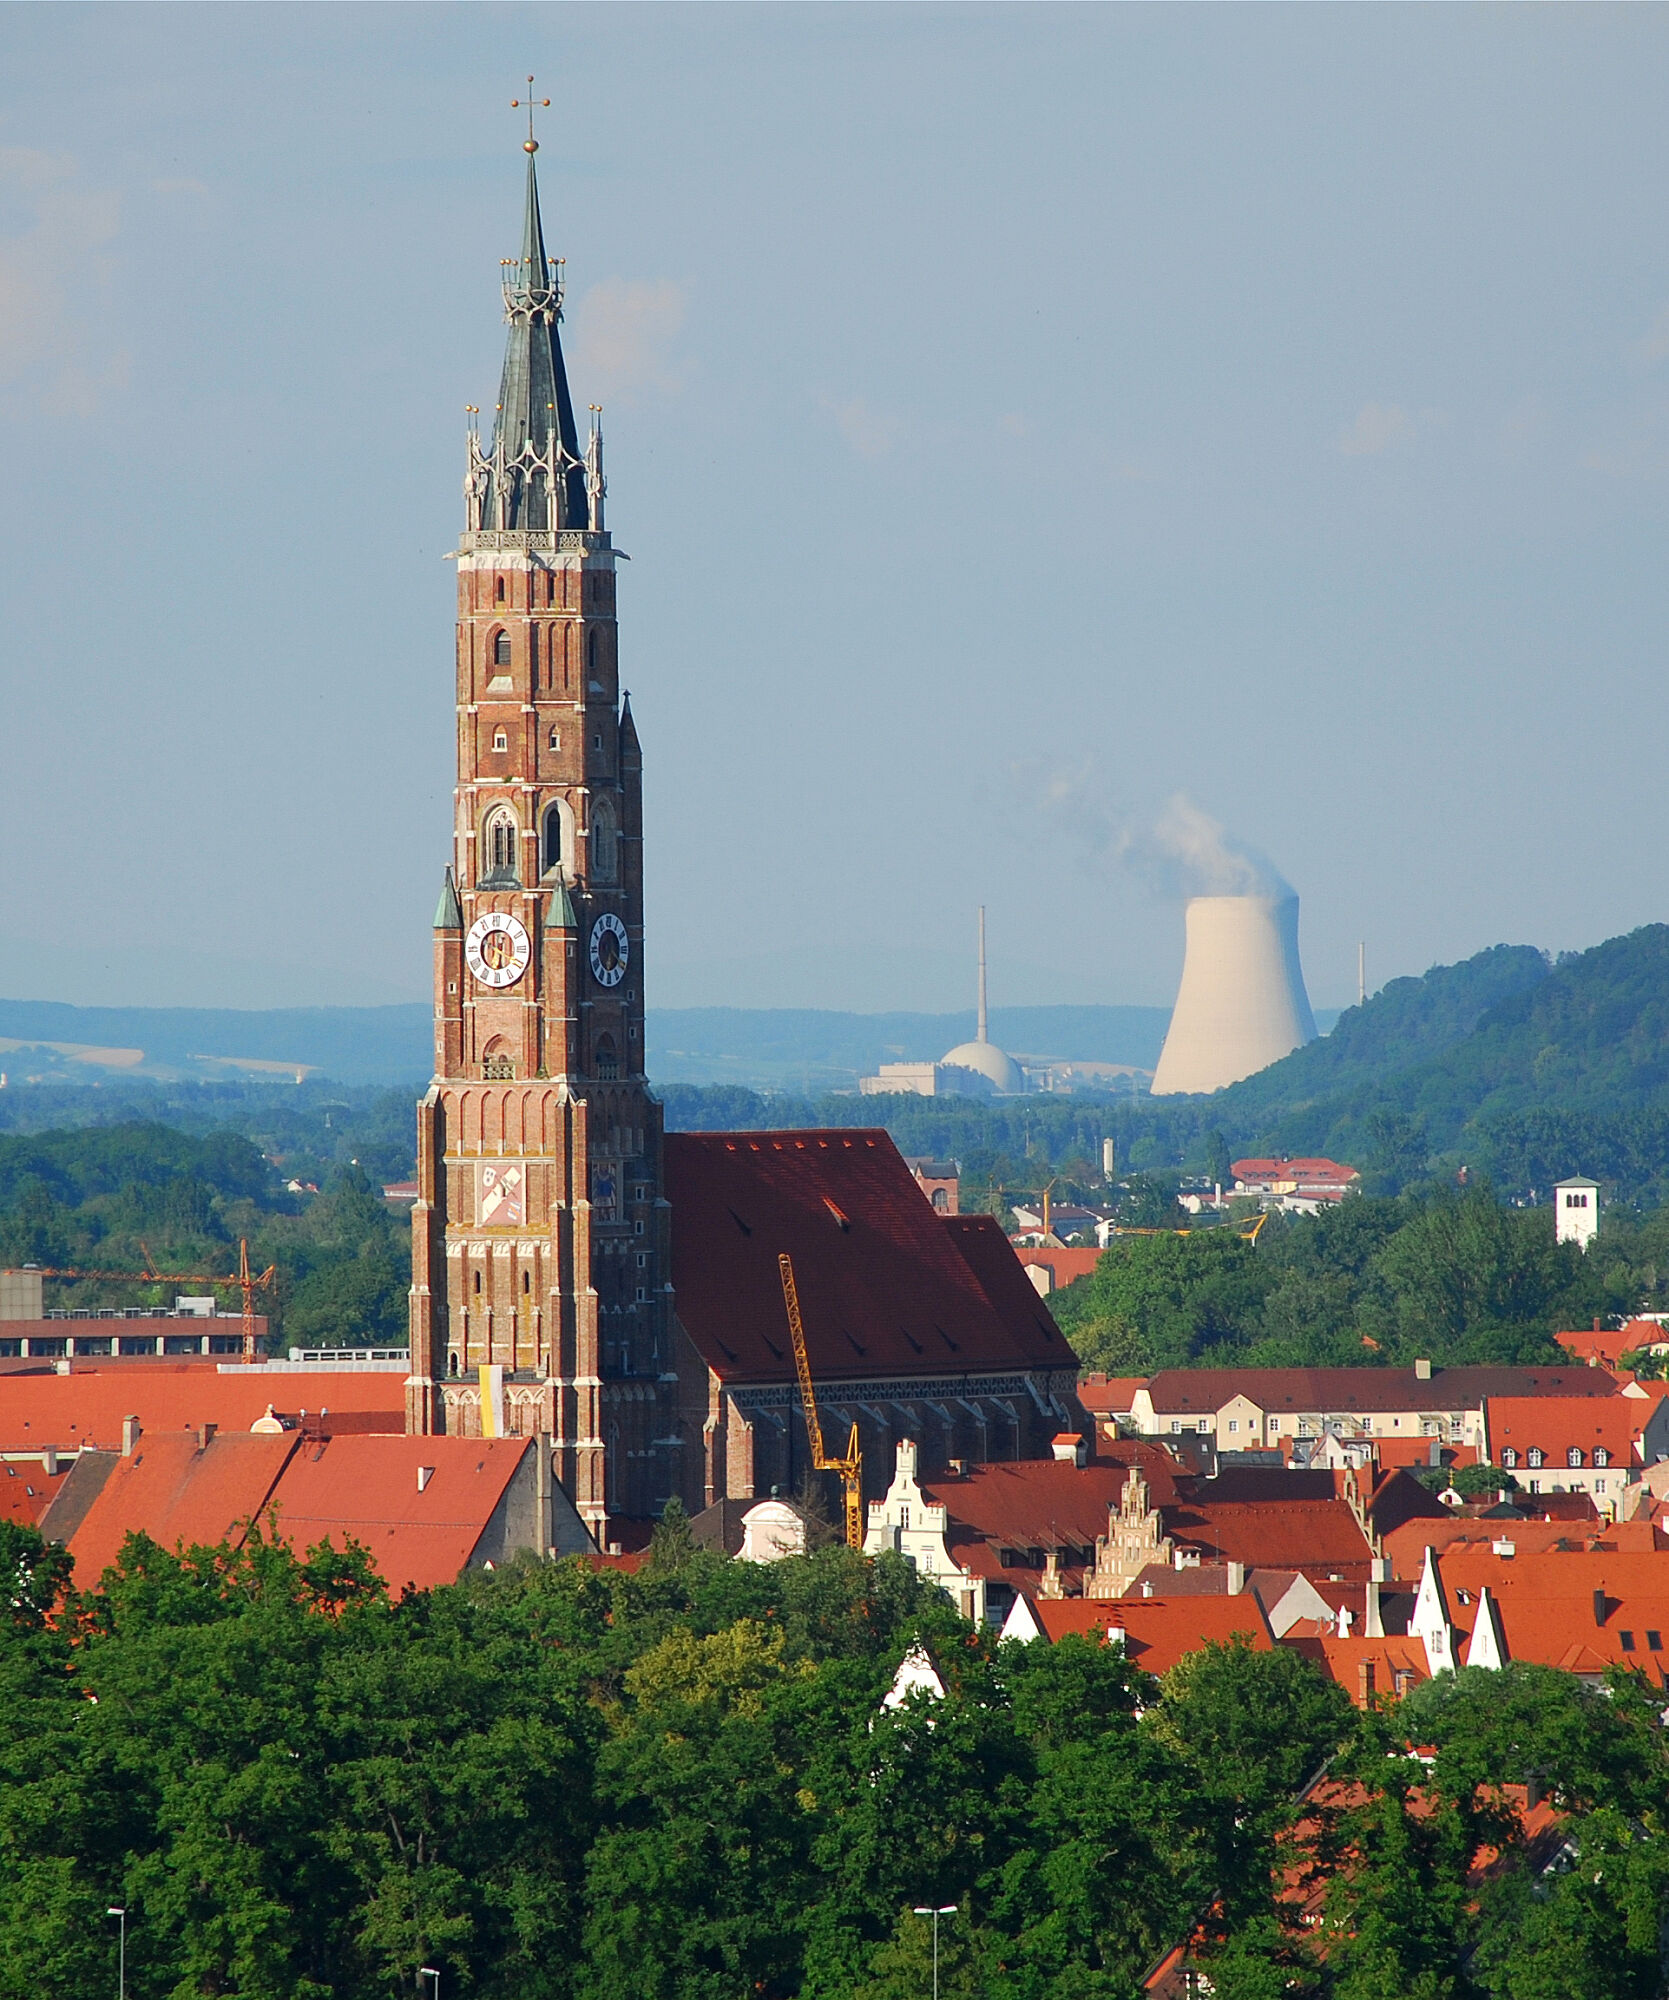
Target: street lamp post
{"x": 431, "y": 1973}
{"x": 121, "y": 1952}
{"x": 944, "y": 1910}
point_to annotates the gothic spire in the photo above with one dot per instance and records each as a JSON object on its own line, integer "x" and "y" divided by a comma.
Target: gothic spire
{"x": 533, "y": 399}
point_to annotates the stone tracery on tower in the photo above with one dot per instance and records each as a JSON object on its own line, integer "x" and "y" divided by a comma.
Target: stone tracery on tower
{"x": 539, "y": 1299}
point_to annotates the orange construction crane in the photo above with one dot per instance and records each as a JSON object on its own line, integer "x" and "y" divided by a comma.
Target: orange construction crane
{"x": 248, "y": 1282}
{"x": 850, "y": 1467}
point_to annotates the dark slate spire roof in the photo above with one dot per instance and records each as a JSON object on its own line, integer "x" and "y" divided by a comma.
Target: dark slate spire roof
{"x": 448, "y": 916}
{"x": 533, "y": 397}
{"x": 629, "y": 745}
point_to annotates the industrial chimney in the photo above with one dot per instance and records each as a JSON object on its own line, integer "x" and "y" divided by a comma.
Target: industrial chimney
{"x": 1241, "y": 1004}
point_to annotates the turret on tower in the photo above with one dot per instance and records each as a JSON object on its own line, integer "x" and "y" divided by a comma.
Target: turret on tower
{"x": 540, "y": 1234}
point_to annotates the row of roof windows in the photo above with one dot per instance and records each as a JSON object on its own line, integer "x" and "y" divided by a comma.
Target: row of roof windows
{"x": 1535, "y": 1456}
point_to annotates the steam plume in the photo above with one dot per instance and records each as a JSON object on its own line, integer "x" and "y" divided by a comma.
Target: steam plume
{"x": 1183, "y": 852}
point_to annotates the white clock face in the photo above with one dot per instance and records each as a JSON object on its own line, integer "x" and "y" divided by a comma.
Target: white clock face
{"x": 497, "y": 949}
{"x": 610, "y": 949}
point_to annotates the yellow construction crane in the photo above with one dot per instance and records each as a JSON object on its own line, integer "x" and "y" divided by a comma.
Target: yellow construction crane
{"x": 850, "y": 1467}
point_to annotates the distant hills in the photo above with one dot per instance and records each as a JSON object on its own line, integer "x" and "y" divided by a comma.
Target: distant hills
{"x": 1508, "y": 1063}
{"x": 810, "y": 1050}
{"x": 804, "y": 1050}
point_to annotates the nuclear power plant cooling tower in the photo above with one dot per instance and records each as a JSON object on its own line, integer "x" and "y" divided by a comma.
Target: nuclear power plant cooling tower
{"x": 1241, "y": 1004}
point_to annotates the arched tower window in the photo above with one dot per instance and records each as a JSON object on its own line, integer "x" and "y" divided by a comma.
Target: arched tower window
{"x": 552, "y": 855}
{"x": 498, "y": 591}
{"x": 498, "y": 843}
{"x": 605, "y": 846}
{"x": 555, "y": 737}
{"x": 501, "y": 739}
{"x": 591, "y": 650}
{"x": 501, "y": 649}
{"x": 608, "y": 1060}
{"x": 496, "y": 1063}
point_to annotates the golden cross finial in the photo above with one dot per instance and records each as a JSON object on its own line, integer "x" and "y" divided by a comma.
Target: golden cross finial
{"x": 530, "y": 144}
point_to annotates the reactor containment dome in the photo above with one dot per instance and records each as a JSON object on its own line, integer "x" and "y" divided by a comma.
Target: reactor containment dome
{"x": 1241, "y": 1005}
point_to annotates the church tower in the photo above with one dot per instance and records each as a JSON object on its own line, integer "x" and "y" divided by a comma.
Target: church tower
{"x": 540, "y": 1298}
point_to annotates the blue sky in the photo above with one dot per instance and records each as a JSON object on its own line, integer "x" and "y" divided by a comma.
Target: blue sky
{"x": 1019, "y": 419}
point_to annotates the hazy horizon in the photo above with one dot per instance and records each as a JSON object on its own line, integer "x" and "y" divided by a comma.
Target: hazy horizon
{"x": 1043, "y": 435}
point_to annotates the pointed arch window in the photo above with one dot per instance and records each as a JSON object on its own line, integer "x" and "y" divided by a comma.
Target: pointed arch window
{"x": 605, "y": 845}
{"x": 555, "y": 737}
{"x": 501, "y": 649}
{"x": 608, "y": 1060}
{"x": 499, "y": 846}
{"x": 498, "y": 591}
{"x": 591, "y": 650}
{"x": 553, "y": 849}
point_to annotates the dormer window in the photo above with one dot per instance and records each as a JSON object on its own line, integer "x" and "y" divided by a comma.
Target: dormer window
{"x": 501, "y": 650}
{"x": 1601, "y": 1456}
{"x": 1574, "y": 1455}
{"x": 1509, "y": 1458}
{"x": 1534, "y": 1457}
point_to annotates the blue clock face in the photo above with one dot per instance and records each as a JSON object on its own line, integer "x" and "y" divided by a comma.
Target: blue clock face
{"x": 610, "y": 950}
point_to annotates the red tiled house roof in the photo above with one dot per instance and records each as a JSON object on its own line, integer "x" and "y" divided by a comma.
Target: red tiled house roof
{"x": 26, "y": 1491}
{"x": 88, "y": 1406}
{"x": 179, "y": 1491}
{"x": 1558, "y": 1425}
{"x": 1203, "y": 1390}
{"x": 885, "y": 1286}
{"x": 1159, "y": 1630}
{"x": 1043, "y": 1504}
{"x": 367, "y": 1488}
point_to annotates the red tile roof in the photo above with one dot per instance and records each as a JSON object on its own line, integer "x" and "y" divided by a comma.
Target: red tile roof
{"x": 1109, "y": 1395}
{"x": 176, "y": 1491}
{"x": 1606, "y": 1345}
{"x": 25, "y": 1491}
{"x": 1406, "y": 1546}
{"x": 1066, "y": 1266}
{"x": 1002, "y": 1278}
{"x": 1049, "y": 1503}
{"x": 1557, "y": 1425}
{"x": 1394, "y": 1660}
{"x": 1159, "y": 1630}
{"x": 359, "y": 1488}
{"x": 1200, "y": 1390}
{"x": 1322, "y": 1172}
{"x": 366, "y": 1488}
{"x": 1569, "y": 1609}
{"x": 885, "y": 1285}
{"x": 1309, "y": 1535}
{"x": 88, "y": 1405}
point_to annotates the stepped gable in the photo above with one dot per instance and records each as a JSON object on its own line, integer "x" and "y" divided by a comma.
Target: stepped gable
{"x": 89, "y": 1405}
{"x": 884, "y": 1288}
{"x": 1043, "y": 1504}
{"x": 182, "y": 1491}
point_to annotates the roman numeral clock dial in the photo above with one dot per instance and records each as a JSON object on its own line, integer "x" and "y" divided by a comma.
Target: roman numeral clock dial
{"x": 610, "y": 950}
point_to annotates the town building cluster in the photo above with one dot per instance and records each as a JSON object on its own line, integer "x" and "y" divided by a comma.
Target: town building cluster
{"x": 606, "y": 1318}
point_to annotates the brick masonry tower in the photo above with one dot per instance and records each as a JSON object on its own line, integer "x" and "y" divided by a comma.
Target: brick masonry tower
{"x": 540, "y": 1298}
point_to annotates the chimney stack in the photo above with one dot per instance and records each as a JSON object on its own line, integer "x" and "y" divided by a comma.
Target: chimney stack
{"x": 1364, "y": 1683}
{"x": 1422, "y": 1371}
{"x": 130, "y": 1435}
{"x": 205, "y": 1435}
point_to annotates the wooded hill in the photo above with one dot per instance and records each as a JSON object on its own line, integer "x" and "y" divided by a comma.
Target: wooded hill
{"x": 1520, "y": 1069}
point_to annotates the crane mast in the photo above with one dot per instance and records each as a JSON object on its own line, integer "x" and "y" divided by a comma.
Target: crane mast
{"x": 850, "y": 1468}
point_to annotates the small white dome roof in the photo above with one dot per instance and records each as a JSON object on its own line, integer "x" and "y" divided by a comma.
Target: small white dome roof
{"x": 989, "y": 1061}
